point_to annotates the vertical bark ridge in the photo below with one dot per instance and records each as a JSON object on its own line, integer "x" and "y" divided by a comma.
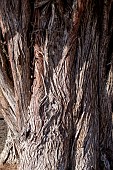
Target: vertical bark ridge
{"x": 16, "y": 22}
{"x": 105, "y": 108}
{"x": 59, "y": 123}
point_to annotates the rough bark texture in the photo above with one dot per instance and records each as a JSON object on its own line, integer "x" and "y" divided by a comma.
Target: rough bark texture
{"x": 9, "y": 153}
{"x": 3, "y": 132}
{"x": 56, "y": 77}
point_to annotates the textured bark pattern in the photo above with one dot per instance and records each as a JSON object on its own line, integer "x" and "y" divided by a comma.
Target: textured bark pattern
{"x": 3, "y": 133}
{"x": 9, "y": 153}
{"x": 56, "y": 94}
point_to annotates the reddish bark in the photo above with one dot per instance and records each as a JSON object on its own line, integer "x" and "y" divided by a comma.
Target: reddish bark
{"x": 58, "y": 100}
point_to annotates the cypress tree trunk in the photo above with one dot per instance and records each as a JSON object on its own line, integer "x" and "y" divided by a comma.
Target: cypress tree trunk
{"x": 56, "y": 79}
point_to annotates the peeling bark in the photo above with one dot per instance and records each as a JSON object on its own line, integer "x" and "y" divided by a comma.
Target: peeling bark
{"x": 9, "y": 153}
{"x": 57, "y": 100}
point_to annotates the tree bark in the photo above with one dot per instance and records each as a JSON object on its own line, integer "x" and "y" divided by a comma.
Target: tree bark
{"x": 9, "y": 154}
{"x": 56, "y": 76}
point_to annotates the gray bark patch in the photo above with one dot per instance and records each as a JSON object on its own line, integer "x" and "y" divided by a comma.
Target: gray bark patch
{"x": 3, "y": 133}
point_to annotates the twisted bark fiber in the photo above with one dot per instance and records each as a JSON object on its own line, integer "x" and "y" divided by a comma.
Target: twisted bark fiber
{"x": 56, "y": 76}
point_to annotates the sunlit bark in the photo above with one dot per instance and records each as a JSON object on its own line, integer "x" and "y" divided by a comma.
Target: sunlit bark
{"x": 56, "y": 82}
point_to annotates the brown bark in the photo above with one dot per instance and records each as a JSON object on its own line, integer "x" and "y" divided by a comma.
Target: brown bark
{"x": 57, "y": 90}
{"x": 9, "y": 153}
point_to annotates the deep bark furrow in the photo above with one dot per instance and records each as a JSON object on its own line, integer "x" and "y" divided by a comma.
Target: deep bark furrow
{"x": 63, "y": 112}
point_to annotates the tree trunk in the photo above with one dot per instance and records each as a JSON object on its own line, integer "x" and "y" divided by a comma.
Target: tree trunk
{"x": 9, "y": 154}
{"x": 56, "y": 76}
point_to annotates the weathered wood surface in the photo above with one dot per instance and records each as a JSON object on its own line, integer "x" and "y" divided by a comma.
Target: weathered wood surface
{"x": 56, "y": 77}
{"x": 3, "y": 133}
